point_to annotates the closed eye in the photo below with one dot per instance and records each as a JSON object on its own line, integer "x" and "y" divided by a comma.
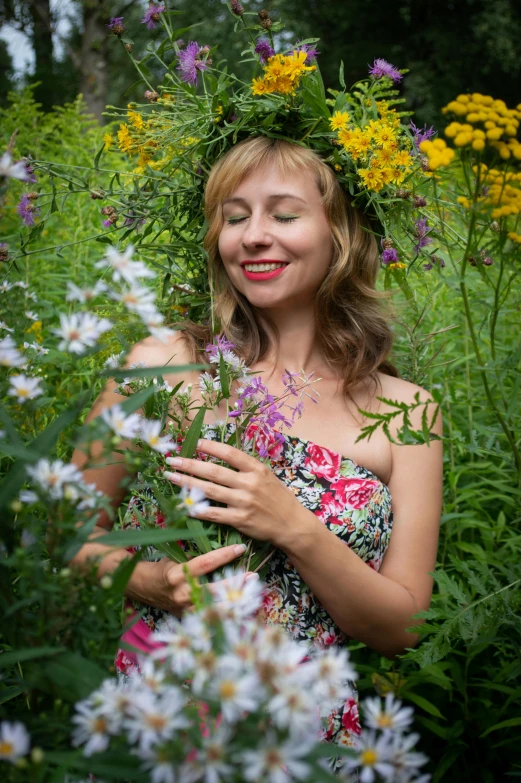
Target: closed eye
{"x": 233, "y": 220}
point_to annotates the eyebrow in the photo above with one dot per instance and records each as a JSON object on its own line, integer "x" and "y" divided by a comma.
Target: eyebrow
{"x": 273, "y": 197}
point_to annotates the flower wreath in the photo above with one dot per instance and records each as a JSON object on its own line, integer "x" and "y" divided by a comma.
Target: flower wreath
{"x": 201, "y": 110}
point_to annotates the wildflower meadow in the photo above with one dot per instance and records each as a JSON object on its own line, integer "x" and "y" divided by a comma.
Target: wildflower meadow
{"x": 101, "y": 246}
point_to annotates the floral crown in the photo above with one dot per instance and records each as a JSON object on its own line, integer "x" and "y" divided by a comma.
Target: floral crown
{"x": 201, "y": 110}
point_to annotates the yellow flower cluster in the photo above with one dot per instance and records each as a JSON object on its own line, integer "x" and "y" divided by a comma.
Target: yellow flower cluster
{"x": 376, "y": 146}
{"x": 437, "y": 152}
{"x": 282, "y": 73}
{"x": 514, "y": 237}
{"x": 503, "y": 192}
{"x": 497, "y": 125}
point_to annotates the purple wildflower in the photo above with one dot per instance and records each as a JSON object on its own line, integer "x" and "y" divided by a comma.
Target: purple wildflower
{"x": 236, "y": 8}
{"x": 421, "y": 134}
{"x": 264, "y": 50}
{"x": 389, "y": 254}
{"x": 27, "y": 210}
{"x": 151, "y": 18}
{"x": 421, "y": 231}
{"x": 107, "y": 223}
{"x": 310, "y": 50}
{"x": 190, "y": 62}
{"x": 434, "y": 261}
{"x": 381, "y": 68}
{"x": 221, "y": 344}
{"x": 116, "y": 25}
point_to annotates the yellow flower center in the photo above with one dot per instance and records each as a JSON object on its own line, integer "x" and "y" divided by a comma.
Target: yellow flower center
{"x": 368, "y": 758}
{"x": 6, "y": 749}
{"x": 227, "y": 689}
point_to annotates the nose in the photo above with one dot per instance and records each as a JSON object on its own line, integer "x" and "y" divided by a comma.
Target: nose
{"x": 256, "y": 231}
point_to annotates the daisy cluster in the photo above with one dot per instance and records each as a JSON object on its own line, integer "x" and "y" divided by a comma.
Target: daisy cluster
{"x": 224, "y": 697}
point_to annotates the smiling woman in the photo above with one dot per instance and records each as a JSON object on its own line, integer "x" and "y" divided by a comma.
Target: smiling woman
{"x": 354, "y": 525}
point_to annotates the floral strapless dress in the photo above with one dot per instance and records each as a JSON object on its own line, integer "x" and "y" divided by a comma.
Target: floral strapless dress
{"x": 352, "y": 503}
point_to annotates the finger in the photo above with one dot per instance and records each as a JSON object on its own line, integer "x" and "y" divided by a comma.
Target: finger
{"x": 212, "y": 491}
{"x": 234, "y": 457}
{"x": 222, "y": 516}
{"x": 206, "y": 470}
{"x": 210, "y": 561}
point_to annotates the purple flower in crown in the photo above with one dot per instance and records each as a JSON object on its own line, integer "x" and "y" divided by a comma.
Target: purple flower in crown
{"x": 381, "y": 68}
{"x": 116, "y": 25}
{"x": 220, "y": 345}
{"x": 421, "y": 229}
{"x": 421, "y": 134}
{"x": 264, "y": 50}
{"x": 310, "y": 50}
{"x": 389, "y": 254}
{"x": 152, "y": 16}
{"x": 190, "y": 61}
{"x": 27, "y": 210}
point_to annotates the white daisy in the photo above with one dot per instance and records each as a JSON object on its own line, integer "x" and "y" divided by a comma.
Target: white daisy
{"x": 84, "y": 295}
{"x": 5, "y": 287}
{"x": 193, "y": 501}
{"x": 213, "y": 754}
{"x": 389, "y": 717}
{"x": 40, "y": 350}
{"x": 10, "y": 356}
{"x": 123, "y": 268}
{"x": 27, "y": 496}
{"x": 236, "y": 692}
{"x": 31, "y": 316}
{"x": 178, "y": 646}
{"x": 52, "y": 476}
{"x": 331, "y": 671}
{"x": 156, "y": 762}
{"x": 294, "y": 707}
{"x": 5, "y": 327}
{"x": 24, "y": 388}
{"x": 114, "y": 360}
{"x": 14, "y": 741}
{"x": 121, "y": 424}
{"x": 276, "y": 762}
{"x": 406, "y": 763}
{"x": 240, "y": 597}
{"x": 150, "y": 434}
{"x": 153, "y": 719}
{"x": 92, "y": 728}
{"x": 374, "y": 758}
{"x": 161, "y": 333}
{"x": 80, "y": 331}
{"x": 137, "y": 299}
{"x": 16, "y": 170}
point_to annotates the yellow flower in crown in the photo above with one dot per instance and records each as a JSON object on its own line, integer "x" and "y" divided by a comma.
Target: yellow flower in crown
{"x": 402, "y": 158}
{"x": 339, "y": 120}
{"x": 282, "y": 73}
{"x": 372, "y": 178}
{"x": 384, "y": 135}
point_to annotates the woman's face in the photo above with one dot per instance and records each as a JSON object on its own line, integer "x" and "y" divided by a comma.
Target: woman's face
{"x": 276, "y": 242}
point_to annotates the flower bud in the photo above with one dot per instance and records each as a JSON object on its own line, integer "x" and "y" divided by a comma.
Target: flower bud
{"x": 424, "y": 162}
{"x": 32, "y": 195}
{"x": 237, "y": 8}
{"x": 128, "y": 47}
{"x": 387, "y": 243}
{"x": 109, "y": 211}
{"x": 472, "y": 261}
{"x": 264, "y": 19}
{"x": 16, "y": 506}
{"x": 106, "y": 582}
{"x": 37, "y": 755}
{"x": 419, "y": 201}
{"x": 494, "y": 226}
{"x": 402, "y": 193}
{"x": 4, "y": 251}
{"x": 94, "y": 194}
{"x": 116, "y": 26}
{"x": 151, "y": 95}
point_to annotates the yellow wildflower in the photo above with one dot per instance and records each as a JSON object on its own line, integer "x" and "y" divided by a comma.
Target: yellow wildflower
{"x": 136, "y": 119}
{"x": 514, "y": 237}
{"x": 109, "y": 141}
{"x": 339, "y": 120}
{"x": 124, "y": 139}
{"x": 260, "y": 87}
{"x": 397, "y": 265}
{"x": 372, "y": 178}
{"x": 345, "y": 136}
{"x": 402, "y": 158}
{"x": 385, "y": 136}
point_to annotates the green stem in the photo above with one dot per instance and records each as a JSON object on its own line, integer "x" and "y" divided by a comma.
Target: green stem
{"x": 138, "y": 69}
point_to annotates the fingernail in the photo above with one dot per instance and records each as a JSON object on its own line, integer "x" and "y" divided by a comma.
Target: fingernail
{"x": 239, "y": 549}
{"x": 175, "y": 462}
{"x": 174, "y": 477}
{"x": 200, "y": 444}
{"x": 252, "y": 576}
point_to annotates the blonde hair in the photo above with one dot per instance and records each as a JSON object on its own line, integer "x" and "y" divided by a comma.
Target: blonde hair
{"x": 353, "y": 333}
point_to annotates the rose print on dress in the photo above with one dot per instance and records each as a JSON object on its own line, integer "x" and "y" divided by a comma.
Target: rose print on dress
{"x": 322, "y": 462}
{"x": 354, "y": 492}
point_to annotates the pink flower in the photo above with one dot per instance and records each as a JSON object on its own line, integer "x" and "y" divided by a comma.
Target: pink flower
{"x": 266, "y": 441}
{"x": 350, "y": 719}
{"x": 354, "y": 492}
{"x": 329, "y": 507}
{"x": 322, "y": 462}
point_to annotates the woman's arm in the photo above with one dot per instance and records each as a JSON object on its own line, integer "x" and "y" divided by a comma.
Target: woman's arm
{"x": 376, "y": 607}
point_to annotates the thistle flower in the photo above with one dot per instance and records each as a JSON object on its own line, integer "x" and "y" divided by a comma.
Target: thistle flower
{"x": 151, "y": 95}
{"x": 26, "y": 210}
{"x": 190, "y": 61}
{"x": 310, "y": 49}
{"x": 421, "y": 231}
{"x": 116, "y": 25}
{"x": 389, "y": 254}
{"x": 152, "y": 16}
{"x": 236, "y": 8}
{"x": 421, "y": 134}
{"x": 382, "y": 68}
{"x": 264, "y": 19}
{"x": 4, "y": 251}
{"x": 264, "y": 50}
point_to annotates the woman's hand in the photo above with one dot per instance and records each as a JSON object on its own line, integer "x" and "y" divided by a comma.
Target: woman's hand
{"x": 259, "y": 505}
{"x": 163, "y": 583}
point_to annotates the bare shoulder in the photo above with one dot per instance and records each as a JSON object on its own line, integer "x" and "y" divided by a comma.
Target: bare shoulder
{"x": 156, "y": 353}
{"x": 399, "y": 390}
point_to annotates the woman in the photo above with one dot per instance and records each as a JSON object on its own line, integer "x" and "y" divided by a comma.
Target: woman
{"x": 326, "y": 502}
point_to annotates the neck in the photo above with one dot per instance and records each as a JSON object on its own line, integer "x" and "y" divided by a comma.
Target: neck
{"x": 297, "y": 347}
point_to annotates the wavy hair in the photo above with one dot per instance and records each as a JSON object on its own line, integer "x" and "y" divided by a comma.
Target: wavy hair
{"x": 352, "y": 328}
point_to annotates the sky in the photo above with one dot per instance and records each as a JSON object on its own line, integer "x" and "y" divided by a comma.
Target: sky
{"x": 18, "y": 43}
